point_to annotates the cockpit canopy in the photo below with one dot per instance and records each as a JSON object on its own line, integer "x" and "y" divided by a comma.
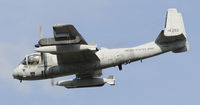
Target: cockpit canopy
{"x": 31, "y": 60}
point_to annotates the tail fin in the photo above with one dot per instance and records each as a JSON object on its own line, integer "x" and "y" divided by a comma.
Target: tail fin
{"x": 174, "y": 31}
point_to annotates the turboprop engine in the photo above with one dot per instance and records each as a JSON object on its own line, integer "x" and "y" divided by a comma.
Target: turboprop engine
{"x": 87, "y": 82}
{"x": 56, "y": 49}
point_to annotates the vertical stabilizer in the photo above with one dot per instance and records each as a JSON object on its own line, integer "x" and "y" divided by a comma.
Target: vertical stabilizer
{"x": 174, "y": 31}
{"x": 174, "y": 23}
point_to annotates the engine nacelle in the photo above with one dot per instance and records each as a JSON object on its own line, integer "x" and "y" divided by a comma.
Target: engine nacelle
{"x": 56, "y": 49}
{"x": 87, "y": 82}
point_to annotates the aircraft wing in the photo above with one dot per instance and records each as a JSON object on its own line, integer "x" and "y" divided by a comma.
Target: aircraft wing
{"x": 77, "y": 57}
{"x": 80, "y": 57}
{"x": 67, "y": 32}
{"x": 70, "y": 47}
{"x": 64, "y": 34}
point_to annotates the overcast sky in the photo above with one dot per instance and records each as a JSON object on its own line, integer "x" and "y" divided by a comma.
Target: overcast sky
{"x": 168, "y": 79}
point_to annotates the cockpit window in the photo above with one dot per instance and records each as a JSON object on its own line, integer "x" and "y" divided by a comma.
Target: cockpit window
{"x": 24, "y": 61}
{"x": 33, "y": 59}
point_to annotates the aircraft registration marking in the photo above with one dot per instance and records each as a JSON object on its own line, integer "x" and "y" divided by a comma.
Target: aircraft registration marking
{"x": 173, "y": 30}
{"x": 140, "y": 49}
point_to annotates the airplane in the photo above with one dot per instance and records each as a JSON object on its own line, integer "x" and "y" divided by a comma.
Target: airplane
{"x": 67, "y": 53}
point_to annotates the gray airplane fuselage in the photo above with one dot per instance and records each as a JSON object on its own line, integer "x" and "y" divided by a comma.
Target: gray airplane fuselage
{"x": 107, "y": 58}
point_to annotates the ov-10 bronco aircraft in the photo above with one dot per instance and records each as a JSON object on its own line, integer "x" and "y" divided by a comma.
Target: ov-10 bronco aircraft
{"x": 69, "y": 54}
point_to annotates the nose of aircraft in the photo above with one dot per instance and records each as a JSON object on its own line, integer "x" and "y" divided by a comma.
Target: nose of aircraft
{"x": 16, "y": 74}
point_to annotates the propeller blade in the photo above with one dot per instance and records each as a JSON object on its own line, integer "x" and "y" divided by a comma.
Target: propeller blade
{"x": 41, "y": 35}
{"x": 41, "y": 31}
{"x": 52, "y": 82}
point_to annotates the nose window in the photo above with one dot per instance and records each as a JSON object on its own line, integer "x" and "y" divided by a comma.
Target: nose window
{"x": 33, "y": 59}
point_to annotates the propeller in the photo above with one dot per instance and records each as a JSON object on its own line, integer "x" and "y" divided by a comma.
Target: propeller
{"x": 43, "y": 58}
{"x": 41, "y": 35}
{"x": 52, "y": 82}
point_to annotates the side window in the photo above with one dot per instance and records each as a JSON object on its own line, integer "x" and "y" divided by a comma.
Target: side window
{"x": 24, "y": 61}
{"x": 33, "y": 59}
